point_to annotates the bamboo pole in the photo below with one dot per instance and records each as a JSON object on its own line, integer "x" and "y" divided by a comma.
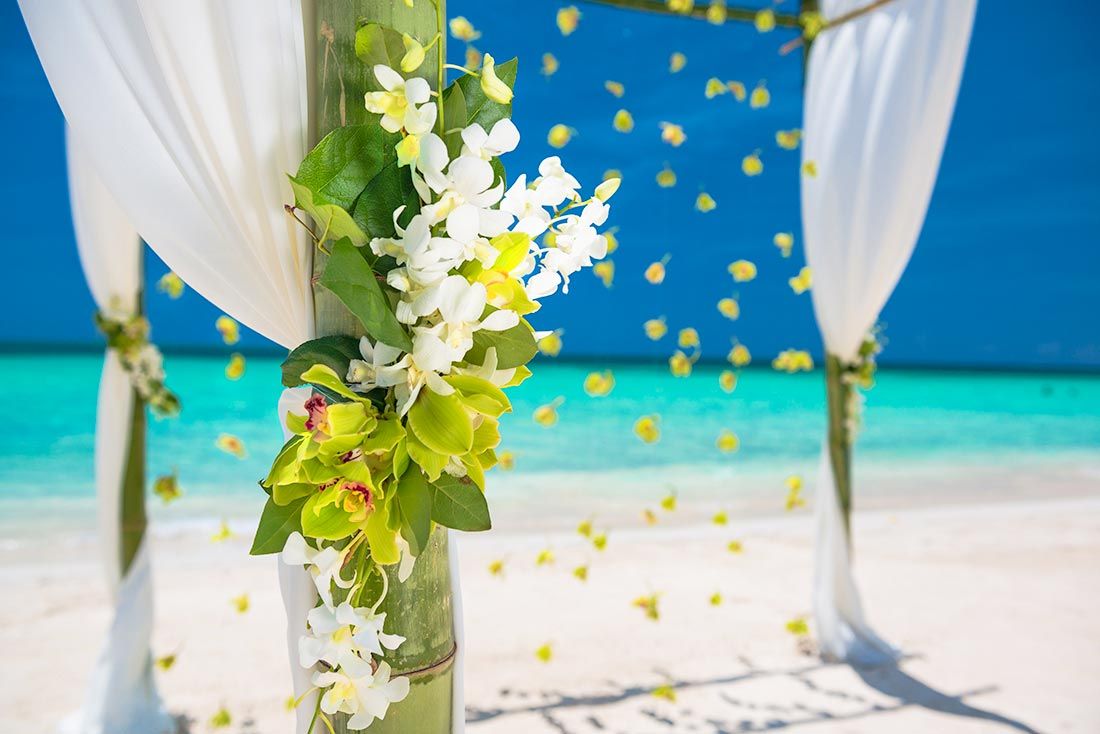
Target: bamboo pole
{"x": 419, "y": 609}
{"x": 132, "y": 517}
{"x": 838, "y": 394}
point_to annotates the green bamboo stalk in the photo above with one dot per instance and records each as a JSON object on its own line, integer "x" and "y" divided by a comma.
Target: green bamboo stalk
{"x": 838, "y": 394}
{"x": 421, "y": 608}
{"x": 132, "y": 517}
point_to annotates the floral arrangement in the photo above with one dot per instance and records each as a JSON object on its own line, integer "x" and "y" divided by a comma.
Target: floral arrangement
{"x": 441, "y": 262}
{"x": 859, "y": 376}
{"x": 128, "y": 335}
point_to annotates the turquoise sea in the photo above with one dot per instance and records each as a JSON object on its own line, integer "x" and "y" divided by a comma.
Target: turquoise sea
{"x": 928, "y": 434}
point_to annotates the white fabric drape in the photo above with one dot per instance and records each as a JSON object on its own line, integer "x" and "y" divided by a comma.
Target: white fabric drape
{"x": 880, "y": 91}
{"x": 122, "y": 696}
{"x": 193, "y": 113}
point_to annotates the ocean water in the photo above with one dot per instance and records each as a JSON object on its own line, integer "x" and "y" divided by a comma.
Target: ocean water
{"x": 920, "y": 426}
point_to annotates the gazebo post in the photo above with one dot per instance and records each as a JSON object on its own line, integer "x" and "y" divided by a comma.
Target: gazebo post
{"x": 133, "y": 520}
{"x": 421, "y": 608}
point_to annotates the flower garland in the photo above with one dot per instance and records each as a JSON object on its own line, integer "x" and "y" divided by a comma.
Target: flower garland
{"x": 441, "y": 262}
{"x": 859, "y": 376}
{"x": 128, "y": 335}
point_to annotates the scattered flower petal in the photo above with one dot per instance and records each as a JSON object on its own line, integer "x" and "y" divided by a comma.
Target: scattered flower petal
{"x": 568, "y": 18}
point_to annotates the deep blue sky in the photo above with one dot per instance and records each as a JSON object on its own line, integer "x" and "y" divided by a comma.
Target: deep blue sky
{"x": 1005, "y": 273}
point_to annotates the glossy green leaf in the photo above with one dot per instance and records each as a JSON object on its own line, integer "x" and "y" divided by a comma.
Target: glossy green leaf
{"x": 378, "y": 44}
{"x": 459, "y": 504}
{"x": 350, "y": 277}
{"x": 515, "y": 346}
{"x": 481, "y": 109}
{"x": 441, "y": 423}
{"x": 454, "y": 118}
{"x": 341, "y": 165}
{"x": 333, "y": 222}
{"x": 335, "y": 352}
{"x": 383, "y": 195}
{"x": 277, "y": 522}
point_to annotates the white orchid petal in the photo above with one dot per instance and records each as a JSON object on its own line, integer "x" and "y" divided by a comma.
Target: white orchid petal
{"x": 500, "y": 320}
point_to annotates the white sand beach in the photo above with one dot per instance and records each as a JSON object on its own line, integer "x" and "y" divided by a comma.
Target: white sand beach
{"x": 995, "y": 607}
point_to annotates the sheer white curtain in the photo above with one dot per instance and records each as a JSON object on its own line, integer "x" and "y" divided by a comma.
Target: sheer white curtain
{"x": 880, "y": 91}
{"x": 122, "y": 696}
{"x": 193, "y": 113}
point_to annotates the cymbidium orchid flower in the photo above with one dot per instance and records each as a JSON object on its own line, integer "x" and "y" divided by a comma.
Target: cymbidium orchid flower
{"x": 323, "y": 564}
{"x": 397, "y": 103}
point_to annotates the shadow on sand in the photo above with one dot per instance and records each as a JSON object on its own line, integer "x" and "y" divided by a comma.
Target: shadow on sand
{"x": 890, "y": 681}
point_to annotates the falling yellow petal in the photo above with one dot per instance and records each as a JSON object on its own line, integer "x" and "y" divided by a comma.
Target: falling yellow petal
{"x": 801, "y": 282}
{"x": 229, "y": 329}
{"x": 623, "y": 122}
{"x": 727, "y": 441}
{"x": 665, "y": 692}
{"x": 788, "y": 139}
{"x": 716, "y": 12}
{"x": 676, "y": 62}
{"x": 463, "y": 29}
{"x": 546, "y": 415}
{"x": 730, "y": 308}
{"x": 668, "y": 502}
{"x": 506, "y": 460}
{"x": 235, "y": 369}
{"x": 784, "y": 241}
{"x": 742, "y": 270}
{"x": 221, "y": 719}
{"x": 544, "y": 558}
{"x": 231, "y": 445}
{"x": 496, "y": 568}
{"x": 655, "y": 329}
{"x": 798, "y": 627}
{"x": 737, "y": 89}
{"x": 649, "y": 516}
{"x": 714, "y": 87}
{"x": 812, "y": 23}
{"x": 739, "y": 356}
{"x": 760, "y": 97}
{"x": 167, "y": 487}
{"x": 550, "y": 345}
{"x": 751, "y": 165}
{"x": 655, "y": 273}
{"x": 688, "y": 338}
{"x": 599, "y": 384}
{"x": 567, "y": 19}
{"x": 705, "y": 202}
{"x": 559, "y": 135}
{"x": 599, "y": 541}
{"x": 672, "y": 134}
{"x": 734, "y": 546}
{"x": 793, "y": 482}
{"x": 549, "y": 64}
{"x": 793, "y": 360}
{"x": 666, "y": 178}
{"x": 171, "y": 284}
{"x": 720, "y": 518}
{"x": 581, "y": 573}
{"x": 680, "y": 6}
{"x": 473, "y": 58}
{"x": 240, "y": 603}
{"x": 715, "y": 599}
{"x": 615, "y": 88}
{"x": 680, "y": 364}
{"x": 166, "y": 662}
{"x": 605, "y": 271}
{"x": 545, "y": 653}
{"x": 612, "y": 240}
{"x": 727, "y": 380}
{"x": 794, "y": 494}
{"x": 224, "y": 533}
{"x": 584, "y": 528}
{"x": 809, "y": 169}
{"x": 649, "y": 605}
{"x": 764, "y": 20}
{"x": 647, "y": 428}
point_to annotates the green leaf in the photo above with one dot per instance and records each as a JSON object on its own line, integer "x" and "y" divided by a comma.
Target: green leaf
{"x": 454, "y": 117}
{"x": 515, "y": 346}
{"x": 441, "y": 423}
{"x": 481, "y": 109}
{"x": 335, "y": 352}
{"x": 390, "y": 189}
{"x": 345, "y": 161}
{"x": 332, "y": 221}
{"x": 377, "y": 44}
{"x": 415, "y": 500}
{"x": 276, "y": 524}
{"x": 350, "y": 277}
{"x": 459, "y": 504}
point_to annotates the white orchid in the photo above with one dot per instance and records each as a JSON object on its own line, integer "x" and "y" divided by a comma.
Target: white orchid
{"x": 555, "y": 185}
{"x": 378, "y": 368}
{"x": 502, "y": 138}
{"x": 375, "y": 697}
{"x": 323, "y": 564}
{"x": 339, "y": 635}
{"x": 527, "y": 206}
{"x": 397, "y": 103}
{"x": 466, "y": 198}
{"x": 460, "y": 305}
{"x": 488, "y": 369}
